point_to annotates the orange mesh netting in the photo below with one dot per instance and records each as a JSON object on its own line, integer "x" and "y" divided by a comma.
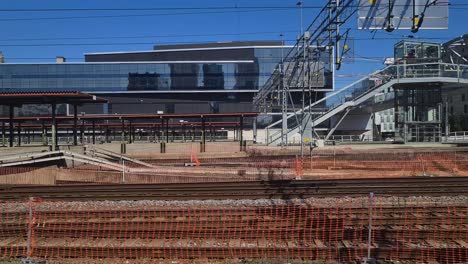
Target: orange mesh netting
{"x": 421, "y": 229}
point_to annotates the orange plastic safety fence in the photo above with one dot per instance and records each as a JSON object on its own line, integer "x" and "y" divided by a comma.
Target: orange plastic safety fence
{"x": 421, "y": 229}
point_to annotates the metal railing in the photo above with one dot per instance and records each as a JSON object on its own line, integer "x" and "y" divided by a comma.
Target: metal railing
{"x": 356, "y": 92}
{"x": 457, "y": 136}
{"x": 68, "y": 140}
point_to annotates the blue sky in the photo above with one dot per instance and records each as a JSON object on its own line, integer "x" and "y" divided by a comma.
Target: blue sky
{"x": 25, "y": 38}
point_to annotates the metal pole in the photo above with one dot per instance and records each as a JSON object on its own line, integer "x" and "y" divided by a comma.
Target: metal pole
{"x": 203, "y": 134}
{"x": 122, "y": 140}
{"x": 44, "y": 133}
{"x": 75, "y": 124}
{"x": 254, "y": 130}
{"x": 10, "y": 135}
{"x": 30, "y": 226}
{"x": 167, "y": 130}
{"x": 123, "y": 171}
{"x": 284, "y": 101}
{"x": 130, "y": 132}
{"x": 447, "y": 129}
{"x": 369, "y": 237}
{"x": 54, "y": 127}
{"x": 82, "y": 132}
{"x": 19, "y": 134}
{"x": 94, "y": 132}
{"x": 3, "y": 133}
{"x": 241, "y": 130}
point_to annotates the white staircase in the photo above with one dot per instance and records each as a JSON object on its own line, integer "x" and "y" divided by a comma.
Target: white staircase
{"x": 366, "y": 88}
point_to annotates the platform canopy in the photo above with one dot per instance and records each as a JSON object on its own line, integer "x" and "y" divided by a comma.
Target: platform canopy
{"x": 21, "y": 98}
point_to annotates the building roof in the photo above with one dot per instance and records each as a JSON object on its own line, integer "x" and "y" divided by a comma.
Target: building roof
{"x": 230, "y": 44}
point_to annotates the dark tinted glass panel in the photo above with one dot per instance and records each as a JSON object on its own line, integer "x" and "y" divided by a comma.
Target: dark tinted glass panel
{"x": 142, "y": 76}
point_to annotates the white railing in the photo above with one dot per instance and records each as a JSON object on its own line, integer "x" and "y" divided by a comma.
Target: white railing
{"x": 357, "y": 91}
{"x": 458, "y": 136}
{"x": 350, "y": 138}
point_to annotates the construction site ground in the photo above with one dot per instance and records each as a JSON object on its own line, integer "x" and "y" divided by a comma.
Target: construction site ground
{"x": 224, "y": 161}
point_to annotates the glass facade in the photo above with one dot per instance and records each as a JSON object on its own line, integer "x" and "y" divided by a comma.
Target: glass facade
{"x": 142, "y": 76}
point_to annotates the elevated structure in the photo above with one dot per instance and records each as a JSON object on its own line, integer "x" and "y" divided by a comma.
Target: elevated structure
{"x": 126, "y": 128}
{"x": 18, "y": 99}
{"x": 422, "y": 68}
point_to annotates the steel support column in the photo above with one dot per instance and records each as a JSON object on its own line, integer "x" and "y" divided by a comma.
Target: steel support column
{"x": 3, "y": 133}
{"x": 107, "y": 134}
{"x": 203, "y": 134}
{"x": 54, "y": 127}
{"x": 44, "y": 134}
{"x": 82, "y": 132}
{"x": 10, "y": 135}
{"x": 94, "y": 132}
{"x": 75, "y": 124}
{"x": 130, "y": 133}
{"x": 167, "y": 130}
{"x": 19, "y": 133}
{"x": 241, "y": 130}
{"x": 254, "y": 129}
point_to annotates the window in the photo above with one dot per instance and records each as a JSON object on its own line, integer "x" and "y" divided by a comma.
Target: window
{"x": 465, "y": 109}
{"x": 463, "y": 97}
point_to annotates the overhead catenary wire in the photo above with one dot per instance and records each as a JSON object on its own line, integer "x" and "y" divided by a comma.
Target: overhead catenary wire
{"x": 196, "y": 8}
{"x": 213, "y": 10}
{"x": 153, "y": 43}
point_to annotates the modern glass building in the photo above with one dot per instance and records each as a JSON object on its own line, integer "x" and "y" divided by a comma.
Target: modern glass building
{"x": 202, "y": 78}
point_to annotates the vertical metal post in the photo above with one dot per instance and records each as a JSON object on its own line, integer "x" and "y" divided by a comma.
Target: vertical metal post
{"x": 241, "y": 130}
{"x": 75, "y": 124}
{"x": 235, "y": 133}
{"x": 122, "y": 140}
{"x": 211, "y": 133}
{"x": 161, "y": 130}
{"x": 447, "y": 129}
{"x": 107, "y": 133}
{"x": 94, "y": 132}
{"x": 254, "y": 128}
{"x": 203, "y": 134}
{"x": 3, "y": 133}
{"x": 130, "y": 132}
{"x": 44, "y": 133}
{"x": 54, "y": 127}
{"x": 19, "y": 133}
{"x": 82, "y": 132}
{"x": 123, "y": 171}
{"x": 183, "y": 133}
{"x": 167, "y": 130}
{"x": 10, "y": 135}
{"x": 30, "y": 227}
{"x": 369, "y": 236}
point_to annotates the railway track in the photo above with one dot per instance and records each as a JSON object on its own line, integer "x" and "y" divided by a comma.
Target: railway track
{"x": 420, "y": 229}
{"x": 433, "y": 186}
